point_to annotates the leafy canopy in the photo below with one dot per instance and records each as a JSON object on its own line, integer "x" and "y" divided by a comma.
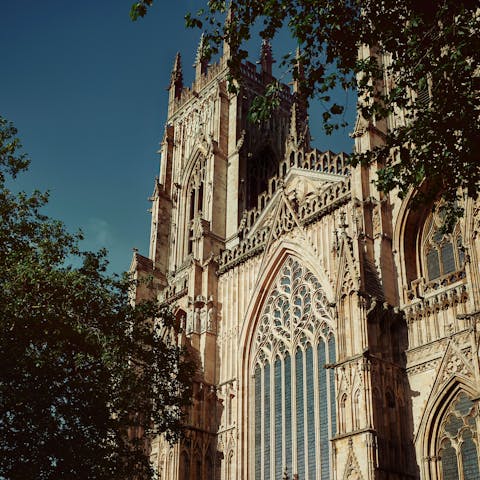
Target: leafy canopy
{"x": 419, "y": 86}
{"x": 86, "y": 376}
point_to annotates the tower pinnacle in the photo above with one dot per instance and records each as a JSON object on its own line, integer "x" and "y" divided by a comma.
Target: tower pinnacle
{"x": 176, "y": 77}
{"x": 176, "y": 84}
{"x": 201, "y": 61}
{"x": 266, "y": 57}
{"x": 299, "y": 76}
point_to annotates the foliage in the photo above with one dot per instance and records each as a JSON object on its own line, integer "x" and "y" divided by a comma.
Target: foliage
{"x": 83, "y": 370}
{"x": 428, "y": 82}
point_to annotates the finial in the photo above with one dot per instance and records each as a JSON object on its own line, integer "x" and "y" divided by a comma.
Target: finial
{"x": 201, "y": 61}
{"x": 293, "y": 123}
{"x": 266, "y": 57}
{"x": 176, "y": 78}
{"x": 200, "y": 49}
{"x": 299, "y": 76}
{"x": 177, "y": 65}
{"x": 343, "y": 224}
{"x": 299, "y": 129}
{"x": 227, "y": 51}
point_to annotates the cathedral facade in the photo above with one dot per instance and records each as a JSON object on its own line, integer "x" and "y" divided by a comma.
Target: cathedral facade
{"x": 335, "y": 328}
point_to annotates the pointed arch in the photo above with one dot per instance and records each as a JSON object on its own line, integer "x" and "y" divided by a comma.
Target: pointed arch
{"x": 287, "y": 339}
{"x": 197, "y": 154}
{"x": 184, "y": 465}
{"x": 191, "y": 203}
{"x": 431, "y": 439}
{"x": 276, "y": 259}
{"x": 230, "y": 466}
{"x": 348, "y": 275}
{"x": 407, "y": 235}
{"x": 261, "y": 166}
{"x": 269, "y": 270}
{"x": 423, "y": 252}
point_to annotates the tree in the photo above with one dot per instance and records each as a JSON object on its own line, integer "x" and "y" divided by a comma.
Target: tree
{"x": 430, "y": 76}
{"x": 83, "y": 370}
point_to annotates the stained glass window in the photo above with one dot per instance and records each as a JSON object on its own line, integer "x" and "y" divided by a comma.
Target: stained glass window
{"x": 442, "y": 253}
{"x": 288, "y": 413}
{"x": 278, "y": 419}
{"x": 449, "y": 462}
{"x": 266, "y": 417}
{"x": 291, "y": 341}
{"x": 323, "y": 400}
{"x": 258, "y": 413}
{"x": 310, "y": 414}
{"x": 457, "y": 448}
{"x": 300, "y": 415}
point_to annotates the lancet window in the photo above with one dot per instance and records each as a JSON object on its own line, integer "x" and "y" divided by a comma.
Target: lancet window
{"x": 195, "y": 194}
{"x": 261, "y": 168}
{"x": 293, "y": 405}
{"x": 442, "y": 253}
{"x": 457, "y": 444}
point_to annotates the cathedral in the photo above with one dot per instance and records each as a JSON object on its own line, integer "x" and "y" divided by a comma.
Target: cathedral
{"x": 334, "y": 327}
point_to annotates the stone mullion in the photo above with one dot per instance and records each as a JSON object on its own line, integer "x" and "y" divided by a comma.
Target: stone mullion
{"x": 317, "y": 410}
{"x": 262, "y": 424}
{"x": 461, "y": 476}
{"x": 284, "y": 429}
{"x": 294, "y": 408}
{"x": 271, "y": 427}
{"x": 305, "y": 412}
{"x": 328, "y": 379}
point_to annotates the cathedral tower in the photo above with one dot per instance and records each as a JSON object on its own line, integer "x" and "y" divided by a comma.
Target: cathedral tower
{"x": 334, "y": 328}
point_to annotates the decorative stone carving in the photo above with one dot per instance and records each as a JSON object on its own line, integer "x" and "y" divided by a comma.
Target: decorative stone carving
{"x": 197, "y": 320}
{"x": 211, "y": 321}
{"x": 296, "y": 303}
{"x": 352, "y": 469}
{"x": 313, "y": 208}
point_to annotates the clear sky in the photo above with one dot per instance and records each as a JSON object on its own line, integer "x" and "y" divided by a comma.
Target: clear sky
{"x": 86, "y": 88}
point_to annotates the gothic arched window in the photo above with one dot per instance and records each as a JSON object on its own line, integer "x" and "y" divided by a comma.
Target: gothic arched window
{"x": 457, "y": 444}
{"x": 293, "y": 405}
{"x": 195, "y": 202}
{"x": 442, "y": 253}
{"x": 184, "y": 465}
{"x": 261, "y": 168}
{"x": 342, "y": 415}
{"x": 356, "y": 410}
{"x": 229, "y": 475}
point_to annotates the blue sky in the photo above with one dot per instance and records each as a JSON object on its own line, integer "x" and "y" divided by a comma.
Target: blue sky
{"x": 86, "y": 88}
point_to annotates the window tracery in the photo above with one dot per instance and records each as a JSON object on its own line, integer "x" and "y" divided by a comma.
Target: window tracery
{"x": 293, "y": 342}
{"x": 442, "y": 254}
{"x": 458, "y": 440}
{"x": 195, "y": 194}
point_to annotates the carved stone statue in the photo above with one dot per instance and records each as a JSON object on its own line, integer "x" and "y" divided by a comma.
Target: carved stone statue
{"x": 211, "y": 319}
{"x": 203, "y": 318}
{"x": 190, "y": 321}
{"x": 197, "y": 320}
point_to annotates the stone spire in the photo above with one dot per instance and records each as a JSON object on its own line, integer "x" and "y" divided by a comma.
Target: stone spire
{"x": 227, "y": 51}
{"x": 176, "y": 84}
{"x": 300, "y": 75}
{"x": 266, "y": 57}
{"x": 201, "y": 62}
{"x": 176, "y": 77}
{"x": 299, "y": 135}
{"x": 299, "y": 115}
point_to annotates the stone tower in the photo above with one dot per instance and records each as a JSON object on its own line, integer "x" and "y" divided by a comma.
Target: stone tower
{"x": 335, "y": 329}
